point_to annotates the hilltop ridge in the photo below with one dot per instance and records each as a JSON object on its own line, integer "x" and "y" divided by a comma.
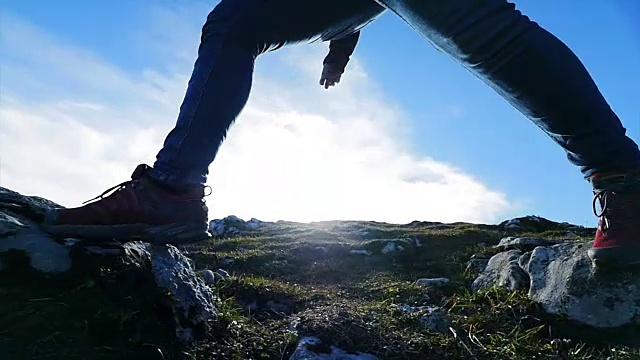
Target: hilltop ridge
{"x": 520, "y": 289}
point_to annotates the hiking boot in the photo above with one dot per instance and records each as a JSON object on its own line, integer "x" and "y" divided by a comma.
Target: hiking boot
{"x": 617, "y": 241}
{"x": 138, "y": 209}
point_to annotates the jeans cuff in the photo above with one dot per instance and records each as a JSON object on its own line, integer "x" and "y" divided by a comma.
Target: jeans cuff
{"x": 175, "y": 179}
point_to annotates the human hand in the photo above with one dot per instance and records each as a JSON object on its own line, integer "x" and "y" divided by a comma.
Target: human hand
{"x": 330, "y": 75}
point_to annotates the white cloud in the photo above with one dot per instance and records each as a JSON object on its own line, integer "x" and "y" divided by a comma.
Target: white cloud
{"x": 73, "y": 123}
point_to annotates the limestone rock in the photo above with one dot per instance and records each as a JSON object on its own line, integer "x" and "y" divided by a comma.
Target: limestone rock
{"x": 434, "y": 282}
{"x": 503, "y": 270}
{"x": 163, "y": 268}
{"x": 524, "y": 243}
{"x": 233, "y": 226}
{"x": 44, "y": 254}
{"x": 392, "y": 247}
{"x": 305, "y": 351}
{"x": 477, "y": 263}
{"x": 433, "y": 317}
{"x": 211, "y": 278}
{"x": 537, "y": 224}
{"x": 191, "y": 299}
{"x": 360, "y": 252}
{"x": 564, "y": 282}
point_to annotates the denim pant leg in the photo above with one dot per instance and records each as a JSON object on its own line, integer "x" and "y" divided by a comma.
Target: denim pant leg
{"x": 531, "y": 69}
{"x": 235, "y": 33}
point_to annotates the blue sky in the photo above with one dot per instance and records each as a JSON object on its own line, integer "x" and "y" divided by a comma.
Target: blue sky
{"x": 438, "y": 111}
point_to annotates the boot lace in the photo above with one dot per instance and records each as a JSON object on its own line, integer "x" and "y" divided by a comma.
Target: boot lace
{"x": 138, "y": 173}
{"x": 602, "y": 197}
{"x": 616, "y": 206}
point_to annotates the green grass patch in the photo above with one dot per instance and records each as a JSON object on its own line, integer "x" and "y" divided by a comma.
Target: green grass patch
{"x": 304, "y": 274}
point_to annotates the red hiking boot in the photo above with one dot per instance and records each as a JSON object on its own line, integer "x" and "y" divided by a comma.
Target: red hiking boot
{"x": 617, "y": 241}
{"x": 137, "y": 209}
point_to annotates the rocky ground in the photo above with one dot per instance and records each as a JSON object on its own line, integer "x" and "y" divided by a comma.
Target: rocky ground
{"x": 523, "y": 289}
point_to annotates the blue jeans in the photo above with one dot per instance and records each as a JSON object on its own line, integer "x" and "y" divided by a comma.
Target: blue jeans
{"x": 524, "y": 63}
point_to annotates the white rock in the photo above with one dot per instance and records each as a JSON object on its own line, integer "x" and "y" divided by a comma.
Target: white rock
{"x": 477, "y": 263}
{"x": 293, "y": 326}
{"x": 503, "y": 269}
{"x": 434, "y": 282}
{"x": 392, "y": 247}
{"x": 512, "y": 224}
{"x": 213, "y": 277}
{"x": 254, "y": 224}
{"x": 303, "y": 353}
{"x": 209, "y": 277}
{"x": 433, "y": 317}
{"x": 227, "y": 262}
{"x": 360, "y": 252}
{"x": 523, "y": 243}
{"x": 216, "y": 227}
{"x": 233, "y": 218}
{"x": 44, "y": 253}
{"x": 565, "y": 283}
{"x": 223, "y": 273}
{"x": 322, "y": 249}
{"x": 70, "y": 241}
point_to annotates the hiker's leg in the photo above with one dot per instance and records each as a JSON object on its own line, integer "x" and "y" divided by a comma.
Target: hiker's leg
{"x": 235, "y": 33}
{"x": 530, "y": 68}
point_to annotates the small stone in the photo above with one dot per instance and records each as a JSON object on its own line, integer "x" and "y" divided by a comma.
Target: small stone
{"x": 524, "y": 243}
{"x": 227, "y": 261}
{"x": 223, "y": 273}
{"x": 70, "y": 241}
{"x": 293, "y": 326}
{"x": 392, "y": 247}
{"x": 503, "y": 270}
{"x": 434, "y": 282}
{"x": 322, "y": 249}
{"x": 360, "y": 252}
{"x": 211, "y": 278}
{"x": 435, "y": 319}
{"x": 477, "y": 263}
{"x": 233, "y": 226}
{"x": 303, "y": 352}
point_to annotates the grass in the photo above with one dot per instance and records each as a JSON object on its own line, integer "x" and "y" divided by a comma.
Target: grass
{"x": 304, "y": 275}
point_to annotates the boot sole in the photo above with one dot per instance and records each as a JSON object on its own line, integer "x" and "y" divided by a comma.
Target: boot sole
{"x": 622, "y": 256}
{"x": 174, "y": 234}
